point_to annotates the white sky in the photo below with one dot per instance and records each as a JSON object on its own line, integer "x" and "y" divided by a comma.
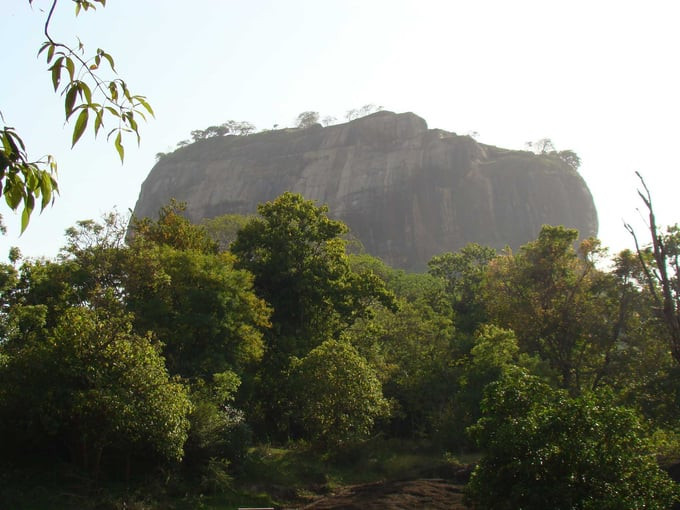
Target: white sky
{"x": 599, "y": 77}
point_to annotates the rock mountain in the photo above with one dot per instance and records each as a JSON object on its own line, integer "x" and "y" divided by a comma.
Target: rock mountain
{"x": 406, "y": 191}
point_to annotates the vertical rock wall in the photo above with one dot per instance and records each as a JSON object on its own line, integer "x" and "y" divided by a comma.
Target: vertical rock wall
{"x": 406, "y": 191}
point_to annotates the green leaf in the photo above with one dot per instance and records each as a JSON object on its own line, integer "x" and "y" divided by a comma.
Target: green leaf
{"x": 56, "y": 72}
{"x": 70, "y": 67}
{"x": 98, "y": 121}
{"x": 113, "y": 89}
{"x": 112, "y": 111}
{"x": 86, "y": 90}
{"x": 25, "y": 217}
{"x": 119, "y": 147}
{"x": 80, "y": 126}
{"x": 43, "y": 47}
{"x": 110, "y": 59}
{"x": 46, "y": 189}
{"x": 29, "y": 203}
{"x": 70, "y": 100}
{"x": 126, "y": 92}
{"x": 10, "y": 141}
{"x": 12, "y": 195}
{"x": 131, "y": 121}
{"x": 142, "y": 100}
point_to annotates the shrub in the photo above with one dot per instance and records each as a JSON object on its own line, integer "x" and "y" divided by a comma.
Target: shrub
{"x": 544, "y": 449}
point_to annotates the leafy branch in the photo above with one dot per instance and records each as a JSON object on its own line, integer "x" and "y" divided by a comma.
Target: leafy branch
{"x": 116, "y": 99}
{"x": 86, "y": 93}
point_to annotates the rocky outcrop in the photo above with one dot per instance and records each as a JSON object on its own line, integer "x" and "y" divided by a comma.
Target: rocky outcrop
{"x": 406, "y": 191}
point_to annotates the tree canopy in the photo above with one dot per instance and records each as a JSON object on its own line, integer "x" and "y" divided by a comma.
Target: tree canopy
{"x": 149, "y": 346}
{"x": 543, "y": 449}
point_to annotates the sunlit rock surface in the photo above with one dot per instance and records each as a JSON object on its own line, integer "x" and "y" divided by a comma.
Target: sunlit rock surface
{"x": 406, "y": 191}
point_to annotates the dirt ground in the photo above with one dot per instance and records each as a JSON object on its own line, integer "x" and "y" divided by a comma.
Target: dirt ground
{"x": 431, "y": 493}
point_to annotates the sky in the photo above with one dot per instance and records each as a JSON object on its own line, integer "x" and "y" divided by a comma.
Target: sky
{"x": 601, "y": 78}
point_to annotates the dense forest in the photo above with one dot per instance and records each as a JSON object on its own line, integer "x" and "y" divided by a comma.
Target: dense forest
{"x": 152, "y": 362}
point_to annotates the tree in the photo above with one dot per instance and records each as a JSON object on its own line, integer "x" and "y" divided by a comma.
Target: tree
{"x": 411, "y": 351}
{"x": 570, "y": 158}
{"x": 494, "y": 352}
{"x": 170, "y": 278}
{"x": 231, "y": 127}
{"x": 87, "y": 93}
{"x": 172, "y": 229}
{"x": 203, "y": 309}
{"x": 642, "y": 363}
{"x": 307, "y": 119}
{"x": 328, "y": 120}
{"x": 191, "y": 296}
{"x": 93, "y": 385}
{"x": 218, "y": 429}
{"x": 169, "y": 289}
{"x": 463, "y": 273}
{"x": 660, "y": 263}
{"x": 357, "y": 113}
{"x": 553, "y": 299}
{"x": 337, "y": 394}
{"x": 543, "y": 449}
{"x": 545, "y": 147}
{"x": 298, "y": 258}
{"x": 224, "y": 229}
{"x": 541, "y": 146}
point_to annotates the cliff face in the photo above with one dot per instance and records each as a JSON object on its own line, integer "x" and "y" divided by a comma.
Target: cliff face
{"x": 406, "y": 191}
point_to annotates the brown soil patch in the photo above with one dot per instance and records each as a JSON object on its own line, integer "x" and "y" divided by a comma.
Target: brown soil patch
{"x": 433, "y": 494}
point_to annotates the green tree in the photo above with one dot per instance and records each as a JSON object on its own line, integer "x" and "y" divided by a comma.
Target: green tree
{"x": 301, "y": 269}
{"x": 172, "y": 229}
{"x": 553, "y": 298}
{"x": 171, "y": 279}
{"x": 542, "y": 449}
{"x": 298, "y": 258}
{"x": 463, "y": 272}
{"x": 179, "y": 286}
{"x": 223, "y": 229}
{"x": 218, "y": 429}
{"x": 493, "y": 352}
{"x": 203, "y": 309}
{"x": 411, "y": 351}
{"x": 87, "y": 93}
{"x": 337, "y": 394}
{"x": 94, "y": 386}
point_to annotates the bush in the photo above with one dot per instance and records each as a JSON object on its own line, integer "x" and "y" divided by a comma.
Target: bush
{"x": 218, "y": 429}
{"x": 337, "y": 393}
{"x": 95, "y": 387}
{"x": 544, "y": 449}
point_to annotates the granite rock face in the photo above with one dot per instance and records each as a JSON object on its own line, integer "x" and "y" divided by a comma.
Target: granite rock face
{"x": 406, "y": 191}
